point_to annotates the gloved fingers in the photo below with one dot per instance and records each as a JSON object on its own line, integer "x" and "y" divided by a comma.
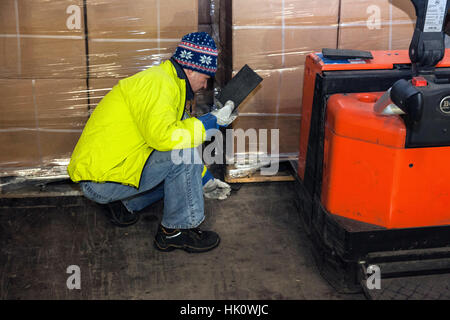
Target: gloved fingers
{"x": 222, "y": 184}
{"x": 232, "y": 118}
{"x": 218, "y": 193}
{"x": 210, "y": 186}
{"x": 229, "y": 105}
{"x": 227, "y": 109}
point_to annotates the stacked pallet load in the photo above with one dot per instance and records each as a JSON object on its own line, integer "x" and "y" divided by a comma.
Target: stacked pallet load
{"x": 58, "y": 58}
{"x": 42, "y": 83}
{"x": 273, "y": 38}
{"x": 376, "y": 24}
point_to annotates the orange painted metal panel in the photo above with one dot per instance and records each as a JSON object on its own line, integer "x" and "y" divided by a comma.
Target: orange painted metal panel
{"x": 369, "y": 176}
{"x": 314, "y": 65}
{"x": 352, "y": 116}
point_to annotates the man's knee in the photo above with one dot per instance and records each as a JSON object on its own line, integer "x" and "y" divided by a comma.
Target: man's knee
{"x": 190, "y": 156}
{"x": 91, "y": 194}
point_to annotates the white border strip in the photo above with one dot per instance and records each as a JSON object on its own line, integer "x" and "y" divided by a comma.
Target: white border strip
{"x": 41, "y": 130}
{"x": 330, "y": 26}
{"x": 133, "y": 40}
{"x": 36, "y": 118}
{"x": 19, "y": 49}
{"x": 390, "y": 27}
{"x": 35, "y": 36}
{"x": 384, "y": 23}
{"x": 255, "y": 114}
{"x": 158, "y": 24}
{"x": 262, "y": 27}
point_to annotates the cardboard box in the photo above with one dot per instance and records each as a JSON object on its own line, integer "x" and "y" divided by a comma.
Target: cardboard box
{"x": 289, "y": 131}
{"x": 301, "y": 42}
{"x": 119, "y": 59}
{"x": 28, "y": 57}
{"x": 177, "y": 18}
{"x": 277, "y": 48}
{"x": 62, "y": 110}
{"x": 98, "y": 88}
{"x": 52, "y": 58}
{"x": 376, "y": 25}
{"x": 259, "y": 48}
{"x": 388, "y": 37}
{"x": 55, "y": 17}
{"x": 402, "y": 35}
{"x": 43, "y": 39}
{"x": 8, "y": 17}
{"x": 41, "y": 121}
{"x": 279, "y": 93}
{"x": 42, "y": 43}
{"x": 19, "y": 143}
{"x": 122, "y": 19}
{"x": 126, "y": 38}
{"x": 141, "y": 19}
{"x": 9, "y": 58}
{"x": 61, "y": 103}
{"x": 373, "y": 12}
{"x": 274, "y": 38}
{"x": 291, "y": 90}
{"x": 19, "y": 149}
{"x": 56, "y": 147}
{"x": 311, "y": 13}
{"x": 17, "y": 106}
{"x": 287, "y": 12}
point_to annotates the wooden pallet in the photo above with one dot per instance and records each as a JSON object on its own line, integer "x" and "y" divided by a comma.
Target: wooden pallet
{"x": 282, "y": 175}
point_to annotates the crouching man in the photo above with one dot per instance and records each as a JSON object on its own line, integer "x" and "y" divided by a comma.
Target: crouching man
{"x": 123, "y": 158}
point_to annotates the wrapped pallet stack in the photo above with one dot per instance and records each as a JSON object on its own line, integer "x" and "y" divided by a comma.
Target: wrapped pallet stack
{"x": 58, "y": 58}
{"x": 42, "y": 82}
{"x": 273, "y": 38}
{"x": 125, "y": 38}
{"x": 376, "y": 24}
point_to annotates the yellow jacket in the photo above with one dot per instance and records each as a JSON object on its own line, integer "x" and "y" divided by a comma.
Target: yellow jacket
{"x": 140, "y": 114}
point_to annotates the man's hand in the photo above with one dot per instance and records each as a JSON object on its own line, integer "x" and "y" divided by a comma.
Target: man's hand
{"x": 216, "y": 189}
{"x": 225, "y": 115}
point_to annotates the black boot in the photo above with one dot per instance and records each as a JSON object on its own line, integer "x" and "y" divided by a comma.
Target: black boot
{"x": 119, "y": 215}
{"x": 191, "y": 240}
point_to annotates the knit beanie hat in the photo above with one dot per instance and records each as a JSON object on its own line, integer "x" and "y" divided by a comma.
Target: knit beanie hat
{"x": 197, "y": 51}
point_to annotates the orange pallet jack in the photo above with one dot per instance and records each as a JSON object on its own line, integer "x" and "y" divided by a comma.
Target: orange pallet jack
{"x": 374, "y": 159}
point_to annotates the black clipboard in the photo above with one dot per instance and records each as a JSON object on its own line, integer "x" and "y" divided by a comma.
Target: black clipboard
{"x": 239, "y": 87}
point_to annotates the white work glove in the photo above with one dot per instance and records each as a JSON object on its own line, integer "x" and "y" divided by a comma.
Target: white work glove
{"x": 216, "y": 189}
{"x": 225, "y": 116}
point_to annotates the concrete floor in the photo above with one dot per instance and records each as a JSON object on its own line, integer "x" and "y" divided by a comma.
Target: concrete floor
{"x": 264, "y": 253}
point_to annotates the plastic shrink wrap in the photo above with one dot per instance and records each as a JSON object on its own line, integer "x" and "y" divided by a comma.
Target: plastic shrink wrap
{"x": 274, "y": 37}
{"x": 58, "y": 58}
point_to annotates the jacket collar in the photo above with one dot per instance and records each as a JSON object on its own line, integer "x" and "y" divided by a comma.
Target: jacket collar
{"x": 182, "y": 75}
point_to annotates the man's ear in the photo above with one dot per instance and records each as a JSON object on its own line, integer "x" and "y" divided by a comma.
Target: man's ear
{"x": 188, "y": 71}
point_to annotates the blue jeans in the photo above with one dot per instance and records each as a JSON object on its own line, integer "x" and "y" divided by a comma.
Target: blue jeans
{"x": 179, "y": 184}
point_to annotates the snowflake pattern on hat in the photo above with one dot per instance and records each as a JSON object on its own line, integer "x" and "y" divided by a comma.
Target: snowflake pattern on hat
{"x": 197, "y": 51}
{"x": 186, "y": 54}
{"x": 205, "y": 60}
